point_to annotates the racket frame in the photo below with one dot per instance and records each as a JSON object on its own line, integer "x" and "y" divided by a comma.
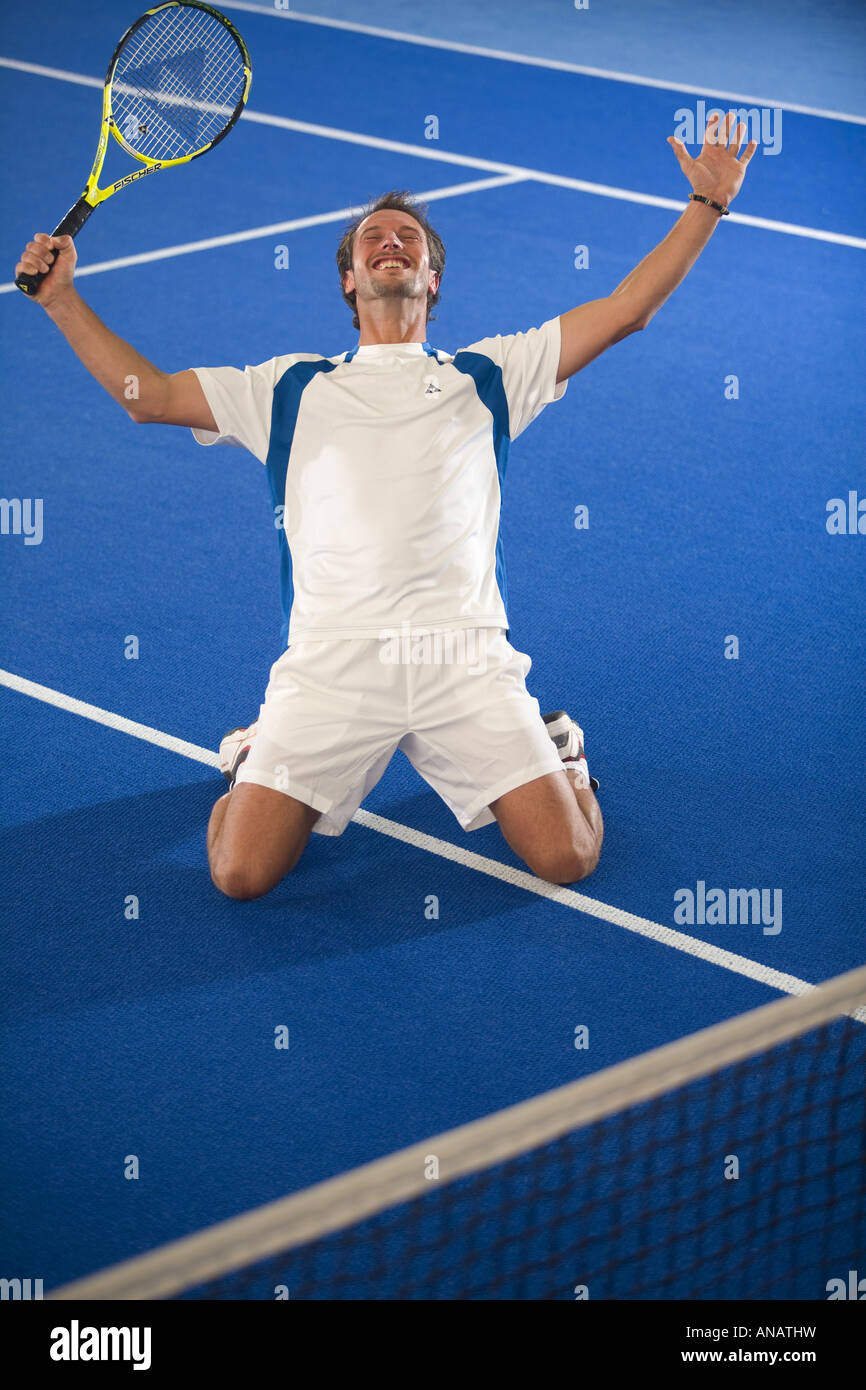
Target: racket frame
{"x": 93, "y": 195}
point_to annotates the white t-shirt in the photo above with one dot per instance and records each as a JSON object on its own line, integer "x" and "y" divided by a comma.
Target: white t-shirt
{"x": 386, "y": 467}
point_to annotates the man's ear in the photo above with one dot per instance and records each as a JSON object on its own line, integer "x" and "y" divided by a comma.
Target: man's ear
{"x": 348, "y": 282}
{"x": 433, "y": 282}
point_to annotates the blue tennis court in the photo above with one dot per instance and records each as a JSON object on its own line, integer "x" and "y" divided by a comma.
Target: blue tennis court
{"x": 705, "y": 627}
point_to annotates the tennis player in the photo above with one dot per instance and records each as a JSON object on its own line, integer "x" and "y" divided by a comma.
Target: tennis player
{"x": 385, "y": 465}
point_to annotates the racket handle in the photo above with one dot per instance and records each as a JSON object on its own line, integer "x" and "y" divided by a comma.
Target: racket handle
{"x": 70, "y": 226}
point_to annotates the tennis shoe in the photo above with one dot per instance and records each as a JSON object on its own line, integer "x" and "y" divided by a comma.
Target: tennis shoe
{"x": 234, "y": 750}
{"x": 567, "y": 736}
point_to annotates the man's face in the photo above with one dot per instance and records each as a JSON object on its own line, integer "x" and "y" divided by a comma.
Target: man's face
{"x": 390, "y": 259}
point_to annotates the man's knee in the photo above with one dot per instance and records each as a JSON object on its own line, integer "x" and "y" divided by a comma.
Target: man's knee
{"x": 241, "y": 881}
{"x": 564, "y": 862}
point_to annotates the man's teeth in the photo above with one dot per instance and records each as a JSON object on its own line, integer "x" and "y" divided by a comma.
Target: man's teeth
{"x": 385, "y": 265}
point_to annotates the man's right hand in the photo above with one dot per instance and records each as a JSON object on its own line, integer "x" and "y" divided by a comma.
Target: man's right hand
{"x": 148, "y": 395}
{"x": 37, "y": 258}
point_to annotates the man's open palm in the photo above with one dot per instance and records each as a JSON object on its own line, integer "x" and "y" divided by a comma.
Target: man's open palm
{"x": 719, "y": 170}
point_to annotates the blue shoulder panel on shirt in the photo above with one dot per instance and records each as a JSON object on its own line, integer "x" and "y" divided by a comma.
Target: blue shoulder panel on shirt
{"x": 284, "y": 418}
{"x": 487, "y": 376}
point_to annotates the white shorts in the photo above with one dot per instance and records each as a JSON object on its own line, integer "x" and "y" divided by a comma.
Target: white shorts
{"x": 456, "y": 703}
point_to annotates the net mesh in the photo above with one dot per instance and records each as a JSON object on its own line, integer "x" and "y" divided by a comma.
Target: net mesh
{"x": 728, "y": 1165}
{"x": 749, "y": 1183}
{"x": 177, "y": 83}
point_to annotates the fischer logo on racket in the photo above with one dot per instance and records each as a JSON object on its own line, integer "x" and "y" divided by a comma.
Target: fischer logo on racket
{"x": 176, "y": 84}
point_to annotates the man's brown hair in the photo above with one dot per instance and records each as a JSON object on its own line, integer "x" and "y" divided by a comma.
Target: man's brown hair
{"x": 396, "y": 202}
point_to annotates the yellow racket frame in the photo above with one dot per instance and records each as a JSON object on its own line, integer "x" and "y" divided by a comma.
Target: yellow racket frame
{"x": 93, "y": 195}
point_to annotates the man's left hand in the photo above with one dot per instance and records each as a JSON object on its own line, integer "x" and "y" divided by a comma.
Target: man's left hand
{"x": 719, "y": 170}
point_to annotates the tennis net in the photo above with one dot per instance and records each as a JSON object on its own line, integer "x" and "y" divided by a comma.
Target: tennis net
{"x": 729, "y": 1165}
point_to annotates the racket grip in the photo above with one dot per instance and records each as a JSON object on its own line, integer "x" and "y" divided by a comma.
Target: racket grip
{"x": 70, "y": 225}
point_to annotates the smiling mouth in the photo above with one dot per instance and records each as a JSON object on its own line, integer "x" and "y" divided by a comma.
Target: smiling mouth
{"x": 391, "y": 263}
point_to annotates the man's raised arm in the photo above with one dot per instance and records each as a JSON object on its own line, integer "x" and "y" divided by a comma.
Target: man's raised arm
{"x": 716, "y": 174}
{"x": 148, "y": 395}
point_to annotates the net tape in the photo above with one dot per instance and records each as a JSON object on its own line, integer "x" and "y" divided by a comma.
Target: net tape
{"x": 363, "y": 1234}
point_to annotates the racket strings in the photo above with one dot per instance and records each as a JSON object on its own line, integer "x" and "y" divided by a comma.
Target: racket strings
{"x": 176, "y": 83}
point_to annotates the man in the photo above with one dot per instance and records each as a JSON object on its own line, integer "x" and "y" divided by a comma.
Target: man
{"x": 386, "y": 462}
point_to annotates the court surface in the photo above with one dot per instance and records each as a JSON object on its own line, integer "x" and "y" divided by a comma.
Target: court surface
{"x": 424, "y": 979}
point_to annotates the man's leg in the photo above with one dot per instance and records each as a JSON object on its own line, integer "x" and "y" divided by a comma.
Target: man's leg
{"x": 255, "y": 837}
{"x": 554, "y": 826}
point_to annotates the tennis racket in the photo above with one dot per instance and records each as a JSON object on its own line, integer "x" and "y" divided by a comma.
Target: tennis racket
{"x": 176, "y": 84}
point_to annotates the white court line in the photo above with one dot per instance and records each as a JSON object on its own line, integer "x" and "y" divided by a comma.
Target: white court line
{"x": 513, "y": 171}
{"x": 503, "y": 55}
{"x": 60, "y": 74}
{"x": 518, "y": 878}
{"x": 186, "y": 248}
{"x": 112, "y": 721}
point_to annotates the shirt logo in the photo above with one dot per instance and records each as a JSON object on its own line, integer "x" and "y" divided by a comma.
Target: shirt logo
{"x": 432, "y": 385}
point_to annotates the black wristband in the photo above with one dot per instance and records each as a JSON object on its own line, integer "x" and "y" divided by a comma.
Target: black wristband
{"x": 699, "y": 198}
